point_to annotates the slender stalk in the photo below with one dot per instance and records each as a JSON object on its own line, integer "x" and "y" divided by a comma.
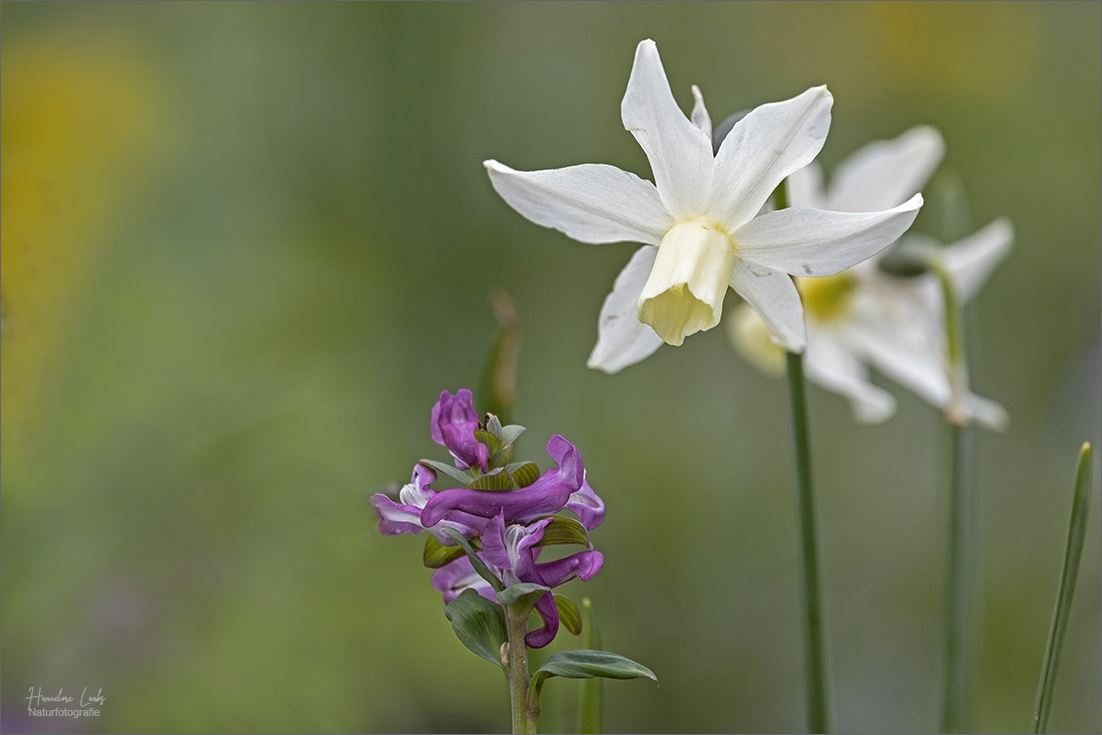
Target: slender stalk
{"x": 526, "y": 711}
{"x": 818, "y": 715}
{"x": 955, "y": 652}
{"x": 591, "y": 701}
{"x": 1074, "y": 553}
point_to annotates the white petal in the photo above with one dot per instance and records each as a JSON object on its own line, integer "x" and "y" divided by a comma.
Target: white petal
{"x": 814, "y": 242}
{"x": 774, "y": 296}
{"x": 680, "y": 154}
{"x": 971, "y": 260}
{"x": 829, "y": 364}
{"x": 885, "y": 173}
{"x": 805, "y": 187}
{"x": 592, "y": 203}
{"x": 987, "y": 412}
{"x": 700, "y": 116}
{"x": 917, "y": 366}
{"x": 764, "y": 147}
{"x": 622, "y": 339}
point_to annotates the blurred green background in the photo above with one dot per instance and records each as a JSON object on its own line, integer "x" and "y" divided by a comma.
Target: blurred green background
{"x": 245, "y": 246}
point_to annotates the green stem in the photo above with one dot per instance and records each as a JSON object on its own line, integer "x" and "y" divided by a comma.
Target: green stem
{"x": 814, "y": 637}
{"x": 955, "y": 656}
{"x": 1074, "y": 553}
{"x": 525, "y": 711}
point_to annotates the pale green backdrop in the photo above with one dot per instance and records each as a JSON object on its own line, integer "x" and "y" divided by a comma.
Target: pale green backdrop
{"x": 246, "y": 245}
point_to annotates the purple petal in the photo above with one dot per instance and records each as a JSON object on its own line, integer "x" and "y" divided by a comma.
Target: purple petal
{"x": 583, "y": 565}
{"x": 511, "y": 546}
{"x": 589, "y": 508}
{"x": 454, "y": 421}
{"x": 548, "y": 494}
{"x": 459, "y": 575}
{"x": 395, "y": 518}
{"x": 540, "y": 637}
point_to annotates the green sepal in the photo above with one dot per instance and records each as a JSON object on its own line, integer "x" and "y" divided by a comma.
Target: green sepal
{"x": 501, "y": 457}
{"x": 563, "y": 530}
{"x": 586, "y": 665}
{"x": 492, "y": 442}
{"x": 479, "y": 624}
{"x": 523, "y": 595}
{"x": 463, "y": 476}
{"x": 437, "y": 555}
{"x": 523, "y": 473}
{"x": 510, "y": 434}
{"x": 476, "y": 560}
{"x": 493, "y": 426}
{"x": 495, "y": 480}
{"x": 569, "y": 615}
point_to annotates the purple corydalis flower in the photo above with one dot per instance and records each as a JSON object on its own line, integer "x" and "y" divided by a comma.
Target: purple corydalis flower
{"x": 550, "y": 493}
{"x": 405, "y": 515}
{"x": 454, "y": 422}
{"x": 511, "y": 551}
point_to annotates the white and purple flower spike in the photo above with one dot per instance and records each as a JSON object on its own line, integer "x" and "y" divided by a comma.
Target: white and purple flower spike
{"x": 700, "y": 221}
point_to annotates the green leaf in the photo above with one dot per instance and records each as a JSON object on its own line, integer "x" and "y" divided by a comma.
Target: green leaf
{"x": 591, "y": 701}
{"x": 523, "y": 593}
{"x": 476, "y": 560}
{"x": 524, "y": 473}
{"x": 587, "y": 664}
{"x": 493, "y": 425}
{"x": 1072, "y": 555}
{"x": 568, "y": 614}
{"x": 489, "y": 439}
{"x": 496, "y": 480}
{"x": 479, "y": 624}
{"x": 510, "y": 433}
{"x": 501, "y": 457}
{"x": 437, "y": 555}
{"x": 563, "y": 530}
{"x": 451, "y": 471}
{"x": 499, "y": 373}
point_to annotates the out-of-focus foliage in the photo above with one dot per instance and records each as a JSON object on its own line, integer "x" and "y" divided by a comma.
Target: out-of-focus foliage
{"x": 245, "y": 246}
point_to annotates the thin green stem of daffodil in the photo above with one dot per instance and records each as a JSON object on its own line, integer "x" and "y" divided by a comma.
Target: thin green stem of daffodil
{"x": 1074, "y": 553}
{"x": 814, "y": 624}
{"x": 526, "y": 711}
{"x": 956, "y": 649}
{"x": 956, "y": 644}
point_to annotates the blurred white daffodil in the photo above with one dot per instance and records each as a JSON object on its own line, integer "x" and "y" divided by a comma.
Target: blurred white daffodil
{"x": 701, "y": 220}
{"x": 864, "y": 316}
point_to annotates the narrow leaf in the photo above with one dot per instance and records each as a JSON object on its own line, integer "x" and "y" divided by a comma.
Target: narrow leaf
{"x": 476, "y": 560}
{"x": 591, "y": 706}
{"x": 569, "y": 615}
{"x": 524, "y": 473}
{"x": 478, "y": 623}
{"x": 451, "y": 471}
{"x": 502, "y": 457}
{"x": 499, "y": 374}
{"x": 489, "y": 439}
{"x": 497, "y": 480}
{"x": 437, "y": 555}
{"x": 587, "y": 664}
{"x": 510, "y": 433}
{"x": 563, "y": 530}
{"x": 520, "y": 591}
{"x": 1076, "y": 533}
{"x": 493, "y": 425}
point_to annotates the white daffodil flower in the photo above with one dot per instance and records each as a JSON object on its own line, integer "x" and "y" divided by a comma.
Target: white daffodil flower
{"x": 863, "y": 316}
{"x": 701, "y": 220}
